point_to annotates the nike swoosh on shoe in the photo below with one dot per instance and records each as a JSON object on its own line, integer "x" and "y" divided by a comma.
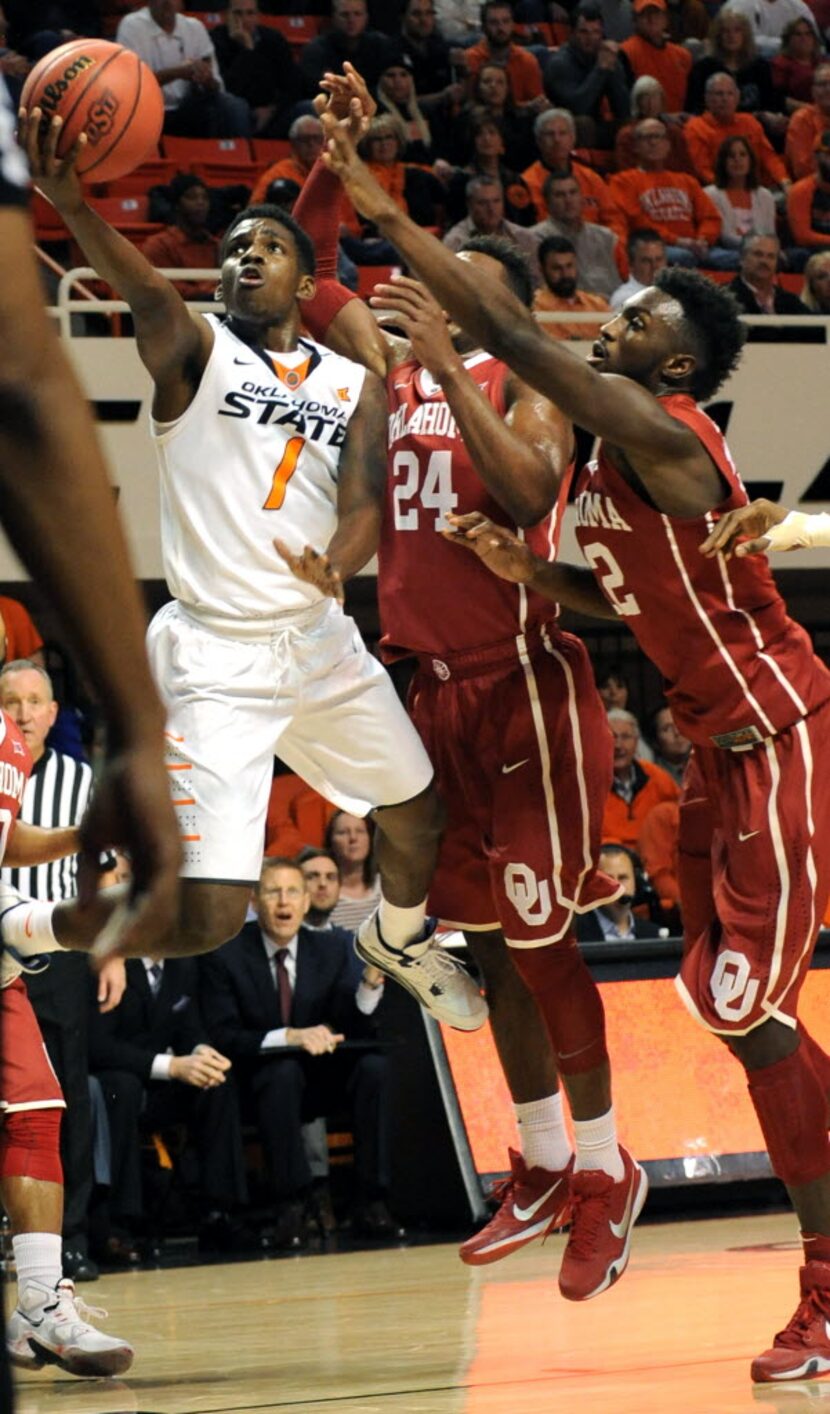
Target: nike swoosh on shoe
{"x": 619, "y": 1229}
{"x": 523, "y": 1215}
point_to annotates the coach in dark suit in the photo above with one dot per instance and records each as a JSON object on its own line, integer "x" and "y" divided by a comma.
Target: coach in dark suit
{"x": 156, "y": 1067}
{"x": 756, "y": 288}
{"x": 279, "y": 999}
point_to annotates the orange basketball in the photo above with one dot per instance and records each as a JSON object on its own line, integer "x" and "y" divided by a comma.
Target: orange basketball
{"x": 105, "y": 91}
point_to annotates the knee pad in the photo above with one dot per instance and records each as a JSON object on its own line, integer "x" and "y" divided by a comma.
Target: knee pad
{"x": 30, "y": 1145}
{"x": 569, "y": 1000}
{"x": 791, "y": 1106}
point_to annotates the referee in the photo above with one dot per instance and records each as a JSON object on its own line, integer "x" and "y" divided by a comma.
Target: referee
{"x": 57, "y": 794}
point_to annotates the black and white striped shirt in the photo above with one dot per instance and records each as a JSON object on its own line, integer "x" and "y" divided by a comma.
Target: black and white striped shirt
{"x": 57, "y": 793}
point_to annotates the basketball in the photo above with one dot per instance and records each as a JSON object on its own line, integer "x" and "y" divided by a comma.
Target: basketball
{"x": 105, "y": 91}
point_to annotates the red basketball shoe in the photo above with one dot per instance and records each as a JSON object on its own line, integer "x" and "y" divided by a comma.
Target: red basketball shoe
{"x": 604, "y": 1212}
{"x": 803, "y": 1349}
{"x": 532, "y": 1201}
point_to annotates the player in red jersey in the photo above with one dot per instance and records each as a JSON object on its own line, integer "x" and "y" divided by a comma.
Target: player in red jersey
{"x": 767, "y": 526}
{"x": 507, "y": 707}
{"x": 744, "y": 685}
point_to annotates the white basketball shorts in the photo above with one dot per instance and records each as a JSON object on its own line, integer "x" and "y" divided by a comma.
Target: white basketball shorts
{"x": 309, "y": 691}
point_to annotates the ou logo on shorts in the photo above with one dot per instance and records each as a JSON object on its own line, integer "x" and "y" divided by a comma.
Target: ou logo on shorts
{"x": 733, "y": 989}
{"x": 529, "y": 896}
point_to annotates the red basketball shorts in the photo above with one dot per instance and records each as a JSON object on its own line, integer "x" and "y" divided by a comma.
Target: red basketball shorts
{"x": 754, "y": 875}
{"x": 522, "y": 754}
{"x": 27, "y": 1080}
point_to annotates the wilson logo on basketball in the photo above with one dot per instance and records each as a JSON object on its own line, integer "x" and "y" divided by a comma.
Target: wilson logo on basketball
{"x": 53, "y": 92}
{"x": 101, "y": 117}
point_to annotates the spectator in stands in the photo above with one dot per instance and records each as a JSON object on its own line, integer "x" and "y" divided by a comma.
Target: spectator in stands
{"x": 637, "y": 785}
{"x": 187, "y": 244}
{"x": 306, "y": 138}
{"x": 658, "y": 846}
{"x": 794, "y": 68}
{"x": 349, "y": 38}
{"x": 688, "y": 20}
{"x": 429, "y": 53}
{"x": 459, "y": 21}
{"x": 673, "y": 203}
{"x": 649, "y": 101}
{"x": 671, "y": 747}
{"x": 616, "y": 921}
{"x": 744, "y": 207}
{"x": 485, "y": 217}
{"x": 487, "y": 161}
{"x": 279, "y": 998}
{"x": 586, "y": 75}
{"x": 157, "y": 1068}
{"x": 769, "y": 18}
{"x": 321, "y": 872}
{"x": 646, "y": 258}
{"x": 415, "y": 190}
{"x": 256, "y": 63}
{"x": 56, "y": 795}
{"x": 350, "y": 840}
{"x": 808, "y": 203}
{"x": 756, "y": 287}
{"x": 179, "y": 51}
{"x": 807, "y": 125}
{"x": 397, "y": 97}
{"x": 704, "y": 134}
{"x": 650, "y": 52}
{"x": 497, "y": 47}
{"x": 600, "y": 260}
{"x": 613, "y": 688}
{"x": 491, "y": 91}
{"x": 13, "y": 66}
{"x": 560, "y": 294}
{"x": 555, "y": 134}
{"x": 815, "y": 293}
{"x": 730, "y": 49}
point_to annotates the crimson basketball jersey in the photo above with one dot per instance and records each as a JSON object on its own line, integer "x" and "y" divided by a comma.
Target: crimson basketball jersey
{"x": 736, "y": 665}
{"x": 436, "y": 597}
{"x": 15, "y": 765}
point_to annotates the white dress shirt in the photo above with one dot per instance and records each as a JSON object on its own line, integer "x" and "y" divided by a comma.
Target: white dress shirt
{"x": 162, "y": 50}
{"x": 366, "y": 997}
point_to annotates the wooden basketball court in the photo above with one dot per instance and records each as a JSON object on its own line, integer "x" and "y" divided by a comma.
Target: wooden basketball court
{"x": 413, "y": 1331}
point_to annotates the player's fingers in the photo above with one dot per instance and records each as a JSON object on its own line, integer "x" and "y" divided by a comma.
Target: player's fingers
{"x": 74, "y": 152}
{"x": 753, "y": 547}
{"x": 50, "y": 146}
{"x": 285, "y": 554}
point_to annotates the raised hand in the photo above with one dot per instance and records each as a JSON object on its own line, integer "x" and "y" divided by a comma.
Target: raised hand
{"x": 498, "y": 548}
{"x": 743, "y": 531}
{"x": 54, "y": 176}
{"x": 345, "y": 100}
{"x": 313, "y": 567}
{"x": 410, "y": 307}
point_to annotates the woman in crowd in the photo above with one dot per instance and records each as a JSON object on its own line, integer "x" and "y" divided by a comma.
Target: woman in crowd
{"x": 397, "y": 97}
{"x": 350, "y": 840}
{"x": 745, "y": 206}
{"x": 792, "y": 68}
{"x": 816, "y": 291}
{"x": 491, "y": 90}
{"x": 649, "y": 101}
{"x": 730, "y": 49}
{"x": 487, "y": 161}
{"x": 414, "y": 189}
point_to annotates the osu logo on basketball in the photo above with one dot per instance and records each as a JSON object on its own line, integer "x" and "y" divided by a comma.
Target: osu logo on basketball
{"x": 101, "y": 116}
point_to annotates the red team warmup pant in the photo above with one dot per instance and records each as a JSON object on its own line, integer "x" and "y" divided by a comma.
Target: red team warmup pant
{"x": 30, "y": 1096}
{"x": 523, "y": 760}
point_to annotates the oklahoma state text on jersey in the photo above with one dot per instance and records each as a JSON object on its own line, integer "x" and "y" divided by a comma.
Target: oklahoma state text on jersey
{"x": 256, "y": 455}
{"x": 434, "y": 596}
{"x": 736, "y": 666}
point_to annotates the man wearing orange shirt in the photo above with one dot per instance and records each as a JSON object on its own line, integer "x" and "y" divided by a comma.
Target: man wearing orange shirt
{"x": 637, "y": 785}
{"x": 808, "y": 202}
{"x": 807, "y": 124}
{"x": 672, "y": 203}
{"x": 187, "y": 244}
{"x": 649, "y": 51}
{"x": 555, "y": 134}
{"x": 560, "y": 295}
{"x": 705, "y": 133}
{"x": 306, "y": 138}
{"x": 497, "y": 47}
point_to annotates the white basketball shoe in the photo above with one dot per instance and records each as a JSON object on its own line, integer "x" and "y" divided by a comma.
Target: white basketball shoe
{"x": 434, "y": 977}
{"x": 47, "y": 1327}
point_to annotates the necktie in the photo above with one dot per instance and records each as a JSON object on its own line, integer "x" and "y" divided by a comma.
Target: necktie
{"x": 283, "y": 985}
{"x": 155, "y": 978}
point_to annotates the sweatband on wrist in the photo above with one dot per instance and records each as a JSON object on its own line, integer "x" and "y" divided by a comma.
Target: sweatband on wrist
{"x": 799, "y": 531}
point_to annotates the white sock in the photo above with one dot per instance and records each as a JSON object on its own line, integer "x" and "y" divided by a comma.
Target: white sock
{"x": 37, "y": 1257}
{"x": 27, "y": 926}
{"x": 596, "y": 1145}
{"x": 542, "y": 1132}
{"x": 398, "y": 926}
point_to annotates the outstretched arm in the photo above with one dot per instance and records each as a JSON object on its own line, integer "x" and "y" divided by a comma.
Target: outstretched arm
{"x": 761, "y": 526}
{"x": 173, "y": 346}
{"x": 510, "y": 558}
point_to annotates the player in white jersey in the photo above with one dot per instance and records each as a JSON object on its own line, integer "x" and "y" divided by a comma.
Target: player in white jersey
{"x": 762, "y": 526}
{"x": 264, "y": 438}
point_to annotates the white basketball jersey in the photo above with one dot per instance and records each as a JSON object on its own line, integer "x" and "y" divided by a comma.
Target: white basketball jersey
{"x": 255, "y": 456}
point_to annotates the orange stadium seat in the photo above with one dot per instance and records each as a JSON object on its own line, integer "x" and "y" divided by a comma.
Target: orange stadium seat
{"x": 208, "y": 151}
{"x": 268, "y": 150}
{"x": 298, "y": 29}
{"x": 210, "y": 18}
{"x": 128, "y": 214}
{"x": 48, "y": 224}
{"x": 150, "y": 174}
